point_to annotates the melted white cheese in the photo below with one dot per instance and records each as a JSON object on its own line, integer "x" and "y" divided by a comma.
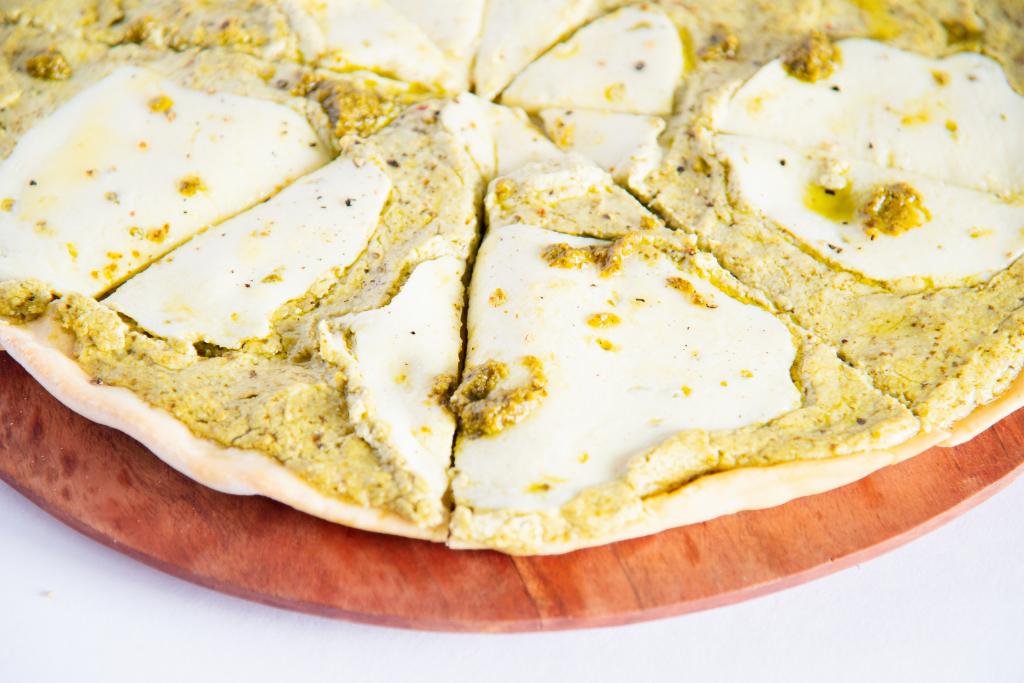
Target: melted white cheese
{"x": 968, "y": 232}
{"x": 106, "y": 184}
{"x": 393, "y": 357}
{"x": 371, "y": 34}
{"x": 516, "y": 31}
{"x": 224, "y": 285}
{"x": 453, "y": 25}
{"x": 956, "y": 119}
{"x": 951, "y": 128}
{"x": 465, "y": 117}
{"x": 625, "y": 145}
{"x": 674, "y": 365}
{"x": 500, "y": 139}
{"x": 570, "y": 176}
{"x": 628, "y": 61}
{"x": 517, "y": 142}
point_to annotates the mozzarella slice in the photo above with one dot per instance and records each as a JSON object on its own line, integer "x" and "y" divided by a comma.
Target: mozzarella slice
{"x": 394, "y": 358}
{"x": 517, "y": 142}
{"x": 132, "y": 166}
{"x": 466, "y": 118}
{"x": 453, "y": 25}
{"x": 500, "y": 139}
{"x": 628, "y": 61}
{"x": 968, "y": 232}
{"x": 516, "y": 31}
{"x": 371, "y": 34}
{"x": 663, "y": 364}
{"x": 625, "y": 145}
{"x": 224, "y": 285}
{"x": 956, "y": 119}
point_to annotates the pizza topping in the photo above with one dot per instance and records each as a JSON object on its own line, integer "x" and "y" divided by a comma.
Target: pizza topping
{"x": 686, "y": 287}
{"x": 960, "y": 32}
{"x": 497, "y": 297}
{"x": 625, "y": 145}
{"x": 454, "y": 26}
{"x": 893, "y": 209}
{"x": 429, "y": 44}
{"x": 597, "y": 68}
{"x": 888, "y": 142}
{"x": 255, "y": 262}
{"x": 139, "y": 30}
{"x": 870, "y": 226}
{"x": 442, "y": 388}
{"x": 839, "y": 205}
{"x": 190, "y": 185}
{"x": 813, "y": 59}
{"x": 611, "y": 390}
{"x": 723, "y": 44}
{"x": 512, "y": 37}
{"x": 833, "y": 174}
{"x": 606, "y": 256}
{"x": 600, "y": 320}
{"x": 63, "y": 172}
{"x": 886, "y": 106}
{"x": 353, "y": 106}
{"x": 500, "y": 139}
{"x": 161, "y": 104}
{"x": 368, "y": 34}
{"x": 561, "y": 255}
{"x": 25, "y": 300}
{"x": 49, "y": 66}
{"x": 398, "y": 361}
{"x": 485, "y": 410}
{"x": 93, "y": 325}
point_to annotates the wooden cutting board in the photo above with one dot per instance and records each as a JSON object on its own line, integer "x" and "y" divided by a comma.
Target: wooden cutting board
{"x": 110, "y": 488}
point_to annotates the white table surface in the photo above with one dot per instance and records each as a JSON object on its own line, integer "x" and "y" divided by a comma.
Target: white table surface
{"x": 947, "y": 607}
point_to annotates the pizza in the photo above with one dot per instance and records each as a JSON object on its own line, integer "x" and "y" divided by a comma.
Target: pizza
{"x": 516, "y": 275}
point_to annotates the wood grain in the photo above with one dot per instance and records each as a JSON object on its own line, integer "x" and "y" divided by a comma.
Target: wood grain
{"x": 110, "y": 488}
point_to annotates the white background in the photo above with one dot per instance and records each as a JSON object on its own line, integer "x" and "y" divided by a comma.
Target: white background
{"x": 947, "y": 607}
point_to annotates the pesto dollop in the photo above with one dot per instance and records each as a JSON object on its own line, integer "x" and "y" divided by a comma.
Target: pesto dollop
{"x": 893, "y": 209}
{"x": 48, "y": 66}
{"x": 813, "y": 59}
{"x": 485, "y": 410}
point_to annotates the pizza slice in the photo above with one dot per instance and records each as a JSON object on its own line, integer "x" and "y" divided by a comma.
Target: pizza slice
{"x": 602, "y": 93}
{"x": 511, "y": 37}
{"x": 875, "y": 194}
{"x": 297, "y": 348}
{"x": 621, "y": 385}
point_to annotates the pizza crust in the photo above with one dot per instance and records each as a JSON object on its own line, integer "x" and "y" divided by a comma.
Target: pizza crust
{"x": 42, "y": 349}
{"x": 983, "y": 417}
{"x": 747, "y": 488}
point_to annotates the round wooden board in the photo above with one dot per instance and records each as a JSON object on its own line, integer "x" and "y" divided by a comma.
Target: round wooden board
{"x": 110, "y": 488}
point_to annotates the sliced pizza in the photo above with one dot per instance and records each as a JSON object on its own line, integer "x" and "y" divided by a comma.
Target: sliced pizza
{"x": 300, "y": 349}
{"x": 617, "y": 387}
{"x": 875, "y": 194}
